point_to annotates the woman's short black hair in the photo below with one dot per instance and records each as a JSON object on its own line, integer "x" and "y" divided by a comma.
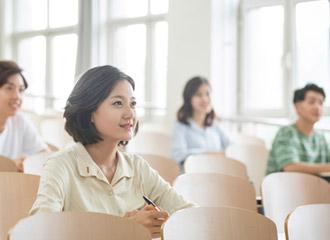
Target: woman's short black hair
{"x": 9, "y": 68}
{"x": 300, "y": 94}
{"x": 90, "y": 91}
{"x": 186, "y": 110}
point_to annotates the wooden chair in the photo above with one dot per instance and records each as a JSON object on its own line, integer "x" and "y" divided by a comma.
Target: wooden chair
{"x": 216, "y": 190}
{"x": 244, "y": 139}
{"x": 200, "y": 163}
{"x": 77, "y": 225}
{"x": 309, "y": 222}
{"x": 167, "y": 168}
{"x": 283, "y": 192}
{"x": 218, "y": 223}
{"x": 255, "y": 159}
{"x": 18, "y": 193}
{"x": 7, "y": 165}
{"x": 151, "y": 142}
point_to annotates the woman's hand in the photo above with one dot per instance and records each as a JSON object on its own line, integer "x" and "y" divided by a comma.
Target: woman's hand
{"x": 150, "y": 218}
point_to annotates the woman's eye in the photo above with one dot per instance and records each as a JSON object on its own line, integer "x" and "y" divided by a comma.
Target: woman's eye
{"x": 133, "y": 104}
{"x": 118, "y": 103}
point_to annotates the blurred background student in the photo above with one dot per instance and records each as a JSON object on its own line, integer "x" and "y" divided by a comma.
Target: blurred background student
{"x": 197, "y": 130}
{"x": 18, "y": 136}
{"x": 299, "y": 147}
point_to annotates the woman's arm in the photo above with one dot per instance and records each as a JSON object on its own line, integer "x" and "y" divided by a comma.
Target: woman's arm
{"x": 51, "y": 192}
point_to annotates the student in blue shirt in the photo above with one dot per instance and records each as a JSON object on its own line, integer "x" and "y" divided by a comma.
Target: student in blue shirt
{"x": 196, "y": 130}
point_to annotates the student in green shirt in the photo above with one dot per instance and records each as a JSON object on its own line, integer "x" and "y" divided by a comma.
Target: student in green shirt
{"x": 299, "y": 147}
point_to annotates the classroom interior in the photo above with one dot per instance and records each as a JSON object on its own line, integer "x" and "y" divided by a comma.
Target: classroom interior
{"x": 254, "y": 53}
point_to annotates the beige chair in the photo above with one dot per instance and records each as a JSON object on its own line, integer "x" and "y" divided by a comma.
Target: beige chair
{"x": 18, "y": 192}
{"x": 309, "y": 222}
{"x": 215, "y": 190}
{"x": 241, "y": 138}
{"x": 150, "y": 142}
{"x": 209, "y": 163}
{"x": 167, "y": 168}
{"x": 218, "y": 223}
{"x": 77, "y": 225}
{"x": 255, "y": 159}
{"x": 7, "y": 165}
{"x": 283, "y": 192}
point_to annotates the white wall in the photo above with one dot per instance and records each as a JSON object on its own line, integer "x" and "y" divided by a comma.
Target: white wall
{"x": 189, "y": 47}
{"x": 202, "y": 34}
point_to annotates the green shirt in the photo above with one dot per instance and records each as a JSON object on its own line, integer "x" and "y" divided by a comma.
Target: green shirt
{"x": 291, "y": 146}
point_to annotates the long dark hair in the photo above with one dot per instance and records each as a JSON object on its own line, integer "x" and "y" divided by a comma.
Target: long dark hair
{"x": 91, "y": 90}
{"x": 186, "y": 110}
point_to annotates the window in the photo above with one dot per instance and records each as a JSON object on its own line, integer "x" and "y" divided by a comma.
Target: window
{"x": 137, "y": 44}
{"x": 312, "y": 44}
{"x": 45, "y": 45}
{"x": 284, "y": 45}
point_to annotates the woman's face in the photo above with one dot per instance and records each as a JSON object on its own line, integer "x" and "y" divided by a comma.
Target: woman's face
{"x": 115, "y": 117}
{"x": 201, "y": 101}
{"x": 11, "y": 94}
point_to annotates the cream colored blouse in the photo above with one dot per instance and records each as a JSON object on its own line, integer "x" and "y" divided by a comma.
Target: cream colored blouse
{"x": 72, "y": 181}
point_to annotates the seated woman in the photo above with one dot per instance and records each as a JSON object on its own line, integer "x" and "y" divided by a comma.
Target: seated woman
{"x": 94, "y": 174}
{"x": 196, "y": 130}
{"x": 18, "y": 136}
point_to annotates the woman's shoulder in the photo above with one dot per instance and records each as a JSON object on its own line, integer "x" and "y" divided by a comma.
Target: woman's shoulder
{"x": 180, "y": 126}
{"x": 134, "y": 161}
{"x": 65, "y": 157}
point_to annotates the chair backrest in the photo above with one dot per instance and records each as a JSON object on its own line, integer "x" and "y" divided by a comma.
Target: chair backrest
{"x": 247, "y": 139}
{"x": 255, "y": 159}
{"x": 309, "y": 222}
{"x": 218, "y": 223}
{"x": 216, "y": 190}
{"x": 18, "y": 193}
{"x": 209, "y": 163}
{"x": 167, "y": 168}
{"x": 284, "y": 191}
{"x": 7, "y": 165}
{"x": 78, "y": 225}
{"x": 151, "y": 142}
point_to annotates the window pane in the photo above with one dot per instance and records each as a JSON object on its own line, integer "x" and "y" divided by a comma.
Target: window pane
{"x": 64, "y": 50}
{"x": 264, "y": 49}
{"x": 158, "y": 88}
{"x": 32, "y": 58}
{"x": 158, "y": 6}
{"x": 30, "y": 15}
{"x": 313, "y": 52}
{"x": 63, "y": 13}
{"x": 128, "y": 8}
{"x": 130, "y": 53}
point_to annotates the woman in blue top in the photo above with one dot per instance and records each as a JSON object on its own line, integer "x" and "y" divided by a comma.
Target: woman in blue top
{"x": 196, "y": 130}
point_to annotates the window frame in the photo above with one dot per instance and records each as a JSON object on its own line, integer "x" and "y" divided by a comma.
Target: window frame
{"x": 48, "y": 33}
{"x": 288, "y": 60}
{"x": 149, "y": 20}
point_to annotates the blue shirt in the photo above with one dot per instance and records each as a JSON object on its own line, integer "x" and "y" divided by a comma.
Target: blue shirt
{"x": 192, "y": 139}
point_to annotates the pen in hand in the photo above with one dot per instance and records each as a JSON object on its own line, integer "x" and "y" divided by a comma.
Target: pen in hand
{"x": 149, "y": 202}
